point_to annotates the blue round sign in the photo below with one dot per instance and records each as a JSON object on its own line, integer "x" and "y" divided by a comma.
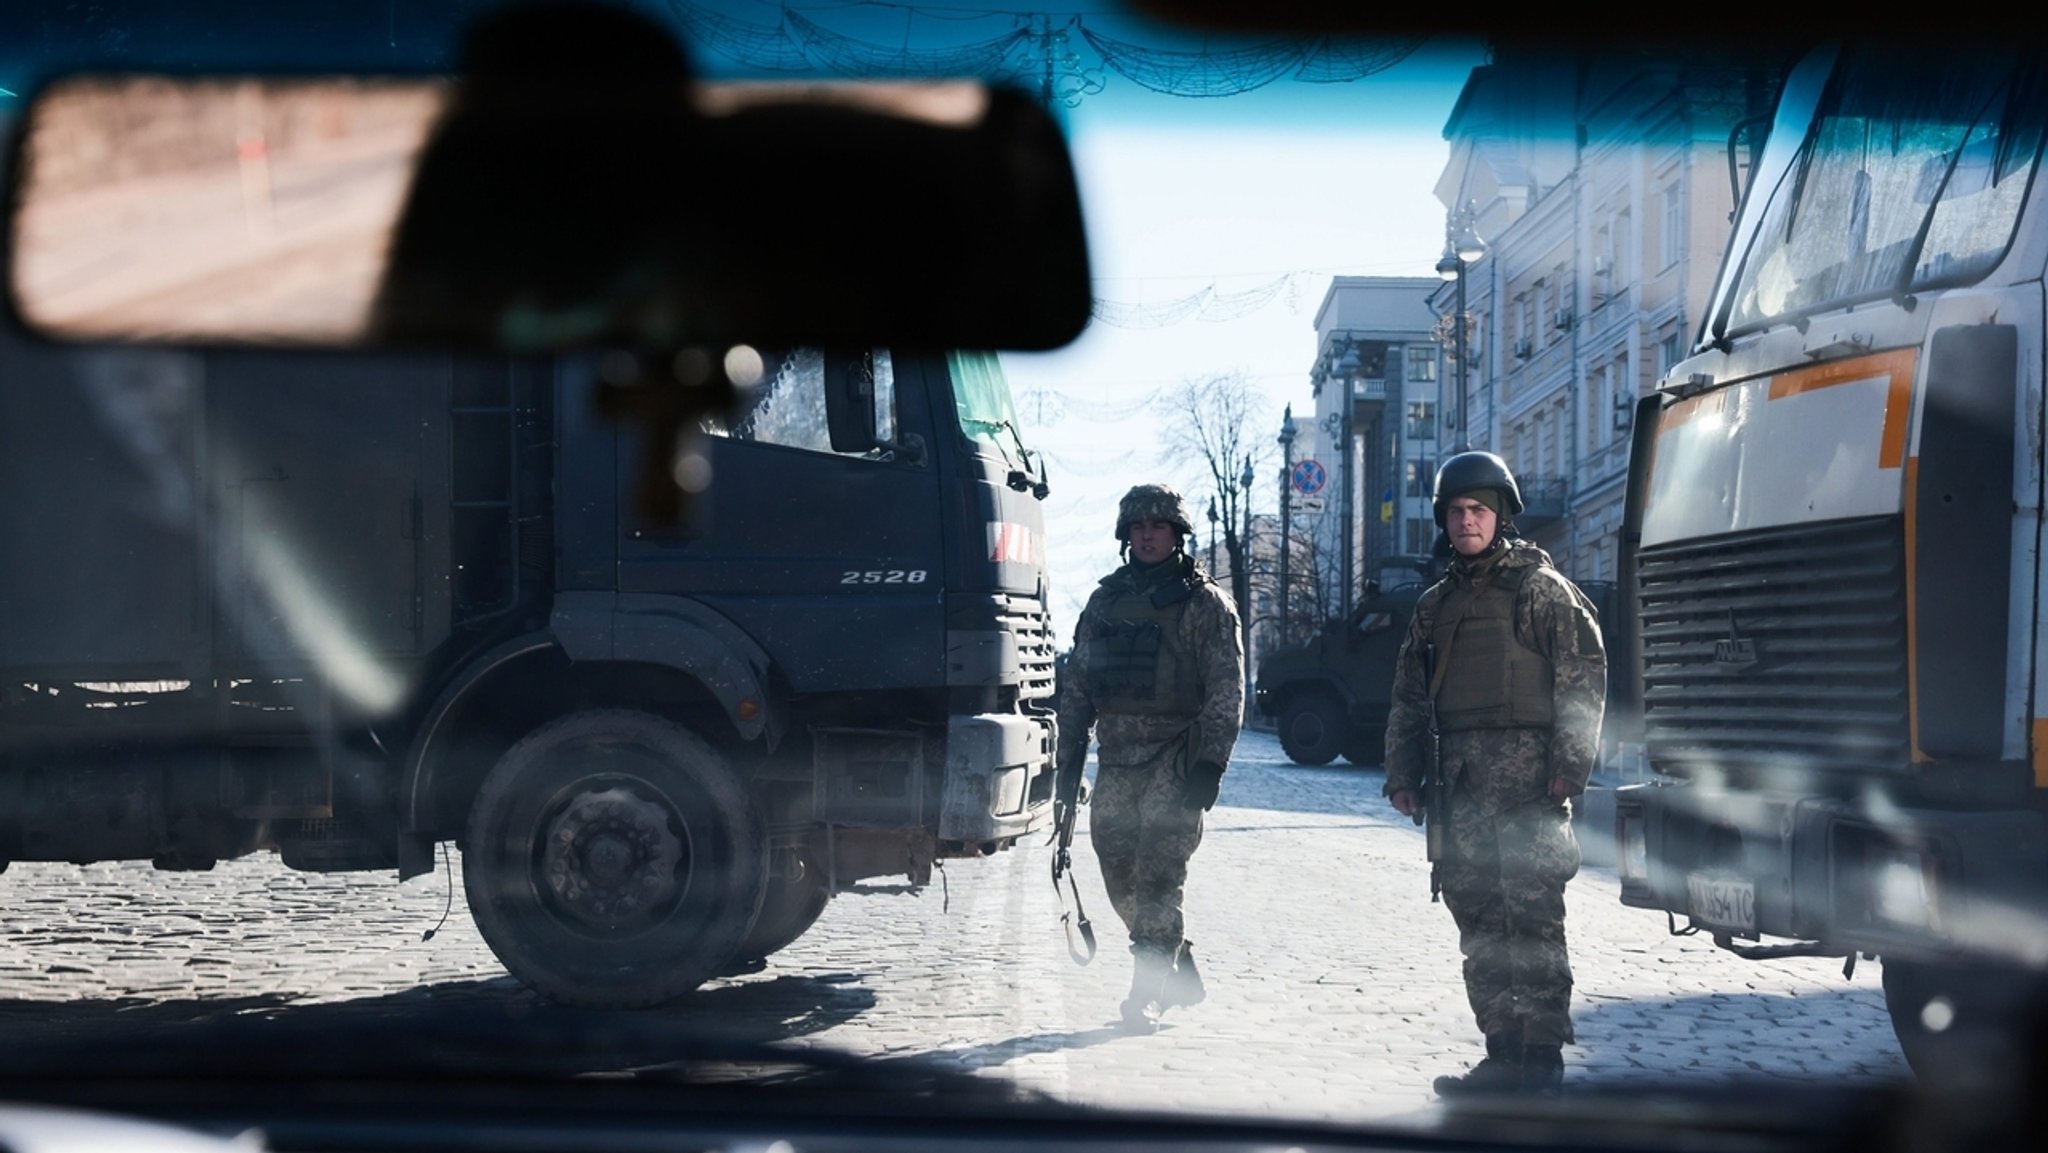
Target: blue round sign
{"x": 1309, "y": 477}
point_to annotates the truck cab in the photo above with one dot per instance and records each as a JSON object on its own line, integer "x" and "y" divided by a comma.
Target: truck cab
{"x": 1832, "y": 546}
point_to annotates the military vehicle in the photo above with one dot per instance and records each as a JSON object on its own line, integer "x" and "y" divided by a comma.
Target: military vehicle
{"x": 1329, "y": 697}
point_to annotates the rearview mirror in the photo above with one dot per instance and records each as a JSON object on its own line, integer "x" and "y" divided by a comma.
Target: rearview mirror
{"x": 493, "y": 215}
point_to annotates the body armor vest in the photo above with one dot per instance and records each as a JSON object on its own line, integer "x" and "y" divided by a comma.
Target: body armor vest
{"x": 1136, "y": 663}
{"x": 1487, "y": 678}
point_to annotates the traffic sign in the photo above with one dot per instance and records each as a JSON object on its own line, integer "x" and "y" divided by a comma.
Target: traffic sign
{"x": 1308, "y": 477}
{"x": 1309, "y": 505}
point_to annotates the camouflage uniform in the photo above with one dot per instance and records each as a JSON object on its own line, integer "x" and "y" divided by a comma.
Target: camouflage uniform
{"x": 1143, "y": 824}
{"x": 1510, "y": 841}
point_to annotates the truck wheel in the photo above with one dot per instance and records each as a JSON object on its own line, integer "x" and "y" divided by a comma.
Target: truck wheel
{"x": 794, "y": 902}
{"x": 1961, "y": 1024}
{"x": 613, "y": 860}
{"x": 1312, "y": 728}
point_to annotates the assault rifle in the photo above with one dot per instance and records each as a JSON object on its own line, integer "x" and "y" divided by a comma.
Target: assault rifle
{"x": 1436, "y": 791}
{"x": 1067, "y": 802}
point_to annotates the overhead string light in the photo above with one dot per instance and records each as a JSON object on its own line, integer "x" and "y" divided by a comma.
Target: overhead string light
{"x": 1205, "y": 303}
{"x": 1037, "y": 51}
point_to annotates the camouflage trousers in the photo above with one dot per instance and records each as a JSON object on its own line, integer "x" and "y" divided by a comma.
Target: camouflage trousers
{"x": 1144, "y": 834}
{"x": 1511, "y": 855}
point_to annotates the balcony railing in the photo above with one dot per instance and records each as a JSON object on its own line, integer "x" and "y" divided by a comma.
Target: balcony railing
{"x": 1543, "y": 500}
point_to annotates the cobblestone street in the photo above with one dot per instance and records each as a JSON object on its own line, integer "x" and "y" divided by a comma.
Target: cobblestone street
{"x": 1334, "y": 988}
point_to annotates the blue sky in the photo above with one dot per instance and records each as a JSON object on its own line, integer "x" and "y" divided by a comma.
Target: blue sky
{"x": 1293, "y": 184}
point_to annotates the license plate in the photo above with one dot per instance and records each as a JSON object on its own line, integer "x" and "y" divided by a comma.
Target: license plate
{"x": 1722, "y": 903}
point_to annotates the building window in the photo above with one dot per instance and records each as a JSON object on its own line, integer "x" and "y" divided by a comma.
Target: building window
{"x": 1421, "y": 536}
{"x": 1421, "y": 419}
{"x": 1623, "y": 402}
{"x": 1420, "y": 474}
{"x": 1624, "y": 248}
{"x": 1669, "y": 352}
{"x": 1372, "y": 359}
{"x": 1674, "y": 218}
{"x": 1421, "y": 362}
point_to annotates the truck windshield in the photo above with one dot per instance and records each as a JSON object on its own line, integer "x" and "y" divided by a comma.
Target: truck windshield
{"x": 981, "y": 397}
{"x": 1910, "y": 175}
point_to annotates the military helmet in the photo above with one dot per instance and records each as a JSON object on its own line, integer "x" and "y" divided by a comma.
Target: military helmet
{"x": 1470, "y": 472}
{"x": 1152, "y": 502}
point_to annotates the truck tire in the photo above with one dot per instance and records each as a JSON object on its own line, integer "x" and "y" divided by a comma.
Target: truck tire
{"x": 1977, "y": 1030}
{"x": 1312, "y": 728}
{"x": 613, "y": 860}
{"x": 793, "y": 903}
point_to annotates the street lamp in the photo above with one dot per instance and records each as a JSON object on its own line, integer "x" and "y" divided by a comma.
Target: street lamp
{"x": 1244, "y": 552}
{"x": 1212, "y": 536}
{"x": 1286, "y": 513}
{"x": 1462, "y": 248}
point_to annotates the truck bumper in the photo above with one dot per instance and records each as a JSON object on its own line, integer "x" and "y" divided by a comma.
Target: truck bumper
{"x": 999, "y": 780}
{"x": 1861, "y": 875}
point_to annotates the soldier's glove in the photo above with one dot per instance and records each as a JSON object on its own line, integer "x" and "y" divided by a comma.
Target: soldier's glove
{"x": 1204, "y": 780}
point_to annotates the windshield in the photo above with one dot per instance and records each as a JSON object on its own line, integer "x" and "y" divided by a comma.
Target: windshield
{"x": 715, "y": 714}
{"x": 1909, "y": 177}
{"x": 982, "y": 399}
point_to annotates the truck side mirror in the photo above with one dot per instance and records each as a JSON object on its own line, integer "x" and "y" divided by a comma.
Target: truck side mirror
{"x": 850, "y": 400}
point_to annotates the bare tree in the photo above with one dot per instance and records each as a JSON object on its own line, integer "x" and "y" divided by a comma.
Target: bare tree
{"x": 1209, "y": 435}
{"x": 1309, "y": 603}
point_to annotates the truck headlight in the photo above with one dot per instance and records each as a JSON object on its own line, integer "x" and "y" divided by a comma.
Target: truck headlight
{"x": 1901, "y": 892}
{"x": 1632, "y": 847}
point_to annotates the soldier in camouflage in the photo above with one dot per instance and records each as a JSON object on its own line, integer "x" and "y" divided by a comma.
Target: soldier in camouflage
{"x": 1157, "y": 674}
{"x": 1510, "y": 652}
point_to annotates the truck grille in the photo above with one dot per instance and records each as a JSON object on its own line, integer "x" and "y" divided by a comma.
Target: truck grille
{"x": 1025, "y": 619}
{"x": 1782, "y": 648}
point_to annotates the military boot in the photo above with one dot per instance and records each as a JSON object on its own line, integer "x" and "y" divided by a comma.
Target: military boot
{"x": 1499, "y": 1072}
{"x": 1183, "y": 985}
{"x": 1543, "y": 1070}
{"x": 1149, "y": 970}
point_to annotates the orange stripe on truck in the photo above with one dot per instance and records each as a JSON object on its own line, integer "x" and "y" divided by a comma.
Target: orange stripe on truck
{"x": 1898, "y": 362}
{"x": 1897, "y": 365}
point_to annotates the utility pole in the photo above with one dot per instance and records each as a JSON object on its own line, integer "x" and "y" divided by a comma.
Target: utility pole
{"x": 1244, "y": 552}
{"x": 1461, "y": 249}
{"x": 1286, "y": 518}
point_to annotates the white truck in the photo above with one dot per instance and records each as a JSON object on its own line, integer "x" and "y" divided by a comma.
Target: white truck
{"x": 1834, "y": 531}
